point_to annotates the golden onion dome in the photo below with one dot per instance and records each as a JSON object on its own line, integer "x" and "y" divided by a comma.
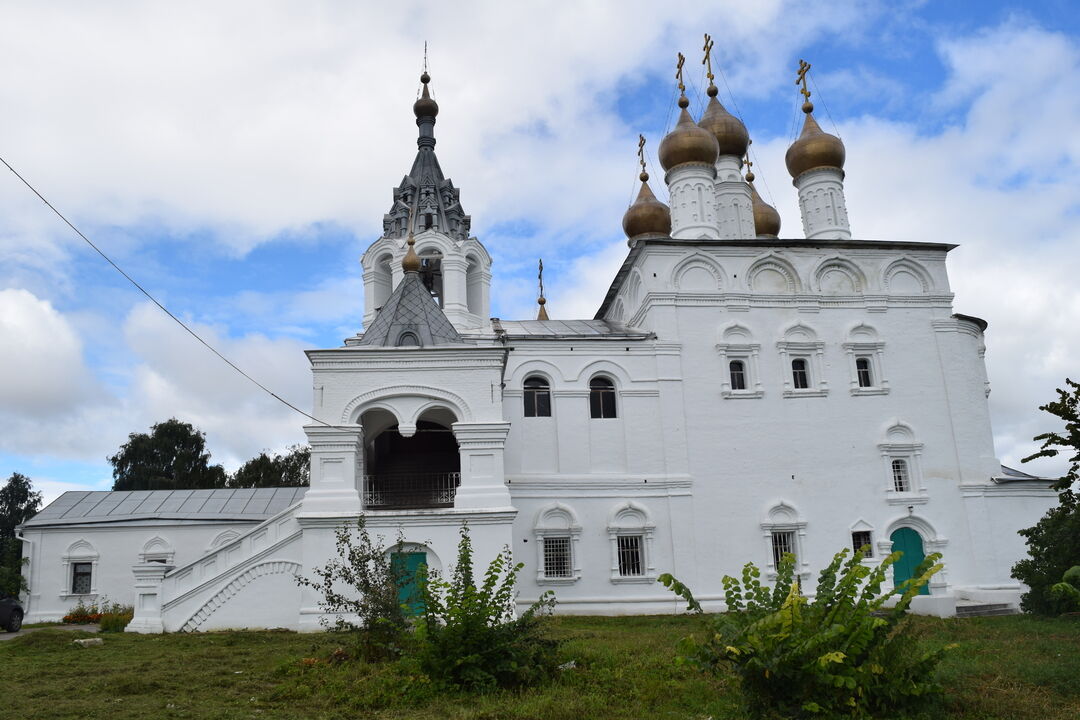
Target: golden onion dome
{"x": 687, "y": 143}
{"x": 730, "y": 133}
{"x": 411, "y": 261}
{"x": 766, "y": 219}
{"x": 647, "y": 216}
{"x": 425, "y": 106}
{"x": 815, "y": 148}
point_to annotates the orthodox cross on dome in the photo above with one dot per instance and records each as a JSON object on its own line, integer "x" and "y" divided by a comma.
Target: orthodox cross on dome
{"x": 679, "y": 73}
{"x": 707, "y": 60}
{"x": 641, "y": 157}
{"x": 804, "y": 67}
{"x": 541, "y": 300}
{"x": 425, "y": 56}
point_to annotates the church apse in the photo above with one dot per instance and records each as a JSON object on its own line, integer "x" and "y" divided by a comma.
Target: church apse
{"x": 421, "y": 470}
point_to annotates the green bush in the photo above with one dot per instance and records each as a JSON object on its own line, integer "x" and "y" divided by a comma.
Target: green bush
{"x": 361, "y": 583}
{"x": 468, "y": 636}
{"x": 843, "y": 654}
{"x": 116, "y": 617}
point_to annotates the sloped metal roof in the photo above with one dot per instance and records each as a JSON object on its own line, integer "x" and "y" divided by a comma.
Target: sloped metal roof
{"x": 410, "y": 309}
{"x": 539, "y": 329}
{"x": 79, "y": 507}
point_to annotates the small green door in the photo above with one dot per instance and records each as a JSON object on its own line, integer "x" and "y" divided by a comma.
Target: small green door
{"x": 908, "y": 542}
{"x": 404, "y": 566}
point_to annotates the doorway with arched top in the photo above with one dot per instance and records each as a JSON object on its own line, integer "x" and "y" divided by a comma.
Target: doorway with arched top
{"x": 909, "y": 542}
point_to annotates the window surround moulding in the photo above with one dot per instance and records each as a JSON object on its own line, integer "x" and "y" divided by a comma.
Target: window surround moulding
{"x": 797, "y": 526}
{"x": 644, "y": 528}
{"x": 813, "y": 351}
{"x": 80, "y": 551}
{"x": 911, "y": 453}
{"x": 557, "y": 520}
{"x": 875, "y": 351}
{"x": 748, "y": 353}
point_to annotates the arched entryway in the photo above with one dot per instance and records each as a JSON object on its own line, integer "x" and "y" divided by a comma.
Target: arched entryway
{"x": 419, "y": 471}
{"x": 907, "y": 541}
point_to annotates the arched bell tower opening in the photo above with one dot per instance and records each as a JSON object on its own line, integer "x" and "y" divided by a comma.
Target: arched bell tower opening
{"x": 421, "y": 470}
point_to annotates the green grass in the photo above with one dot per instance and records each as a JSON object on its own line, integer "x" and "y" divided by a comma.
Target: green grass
{"x": 1005, "y": 667}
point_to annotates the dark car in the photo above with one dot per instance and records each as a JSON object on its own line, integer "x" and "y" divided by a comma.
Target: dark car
{"x": 11, "y": 613}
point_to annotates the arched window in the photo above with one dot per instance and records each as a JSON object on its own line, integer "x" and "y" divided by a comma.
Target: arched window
{"x": 862, "y": 370}
{"x": 800, "y": 375}
{"x": 900, "y": 476}
{"x": 601, "y": 398}
{"x": 408, "y": 339}
{"x": 737, "y": 370}
{"x": 537, "y": 397}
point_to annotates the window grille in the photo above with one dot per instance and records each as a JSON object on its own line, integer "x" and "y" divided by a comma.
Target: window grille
{"x": 537, "y": 398}
{"x": 860, "y": 543}
{"x": 783, "y": 541}
{"x": 557, "y": 557}
{"x": 80, "y": 578}
{"x": 737, "y": 370}
{"x": 900, "y": 478}
{"x": 630, "y": 556}
{"x": 800, "y": 377}
{"x": 601, "y": 398}
{"x": 862, "y": 369}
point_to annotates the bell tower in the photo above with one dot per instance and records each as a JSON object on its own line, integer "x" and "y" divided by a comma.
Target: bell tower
{"x": 454, "y": 267}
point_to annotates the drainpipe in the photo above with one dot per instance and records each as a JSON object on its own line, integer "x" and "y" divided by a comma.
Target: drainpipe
{"x": 22, "y": 538}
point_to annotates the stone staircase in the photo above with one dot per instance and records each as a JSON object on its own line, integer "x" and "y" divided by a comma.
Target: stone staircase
{"x": 971, "y": 609}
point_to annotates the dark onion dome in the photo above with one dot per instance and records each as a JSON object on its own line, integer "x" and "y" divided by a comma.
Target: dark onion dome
{"x": 687, "y": 143}
{"x": 647, "y": 216}
{"x": 425, "y": 106}
{"x": 766, "y": 219}
{"x": 815, "y": 148}
{"x": 728, "y": 130}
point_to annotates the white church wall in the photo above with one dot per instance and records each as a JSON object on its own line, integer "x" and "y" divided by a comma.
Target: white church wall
{"x": 112, "y": 549}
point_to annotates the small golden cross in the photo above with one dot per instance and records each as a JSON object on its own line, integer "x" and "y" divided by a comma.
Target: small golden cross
{"x": 641, "y": 151}
{"x": 804, "y": 67}
{"x": 678, "y": 73}
{"x": 707, "y": 61}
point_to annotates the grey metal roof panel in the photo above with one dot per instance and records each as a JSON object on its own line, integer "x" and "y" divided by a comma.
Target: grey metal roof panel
{"x": 540, "y": 329}
{"x": 75, "y": 507}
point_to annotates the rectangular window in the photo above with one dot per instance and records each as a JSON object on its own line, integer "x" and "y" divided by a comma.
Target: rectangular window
{"x": 800, "y": 374}
{"x": 630, "y": 560}
{"x": 557, "y": 557}
{"x": 783, "y": 541}
{"x": 80, "y": 578}
{"x": 901, "y": 482}
{"x": 738, "y": 374}
{"x": 860, "y": 543}
{"x": 862, "y": 369}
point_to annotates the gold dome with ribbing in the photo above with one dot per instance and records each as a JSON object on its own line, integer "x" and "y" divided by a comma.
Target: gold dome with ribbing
{"x": 815, "y": 148}
{"x": 687, "y": 143}
{"x": 647, "y": 216}
{"x": 730, "y": 133}
{"x": 766, "y": 219}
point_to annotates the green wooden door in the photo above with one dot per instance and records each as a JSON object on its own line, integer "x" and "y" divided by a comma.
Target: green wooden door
{"x": 404, "y": 566}
{"x": 908, "y": 542}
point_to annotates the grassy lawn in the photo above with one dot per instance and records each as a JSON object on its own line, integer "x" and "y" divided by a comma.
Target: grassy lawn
{"x": 1004, "y": 667}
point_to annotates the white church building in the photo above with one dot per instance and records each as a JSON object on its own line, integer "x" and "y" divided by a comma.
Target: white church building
{"x": 735, "y": 396}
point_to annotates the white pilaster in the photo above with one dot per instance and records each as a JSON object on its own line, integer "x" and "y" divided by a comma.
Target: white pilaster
{"x": 483, "y": 479}
{"x": 693, "y": 201}
{"x": 734, "y": 207}
{"x": 822, "y": 205}
{"x": 148, "y": 579}
{"x": 337, "y": 470}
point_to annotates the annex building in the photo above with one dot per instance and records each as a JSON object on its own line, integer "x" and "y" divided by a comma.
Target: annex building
{"x": 737, "y": 395}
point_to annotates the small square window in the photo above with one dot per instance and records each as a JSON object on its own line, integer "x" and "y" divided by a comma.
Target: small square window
{"x": 630, "y": 556}
{"x": 557, "y": 557}
{"x": 861, "y": 543}
{"x": 80, "y": 578}
{"x": 864, "y": 372}
{"x": 783, "y": 541}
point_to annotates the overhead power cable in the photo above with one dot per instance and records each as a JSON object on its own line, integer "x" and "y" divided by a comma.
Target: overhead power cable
{"x": 154, "y": 300}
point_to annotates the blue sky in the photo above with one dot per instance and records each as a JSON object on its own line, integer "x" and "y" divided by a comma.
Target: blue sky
{"x": 237, "y": 161}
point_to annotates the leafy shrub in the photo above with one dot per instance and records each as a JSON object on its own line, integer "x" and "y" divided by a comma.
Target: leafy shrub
{"x": 116, "y": 617}
{"x": 83, "y": 614}
{"x": 1068, "y": 590}
{"x": 843, "y": 654}
{"x": 361, "y": 583}
{"x": 468, "y": 636}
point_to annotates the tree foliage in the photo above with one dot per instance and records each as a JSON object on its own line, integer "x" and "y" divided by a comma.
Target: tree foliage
{"x": 18, "y": 503}
{"x": 842, "y": 654}
{"x": 291, "y": 469}
{"x": 1054, "y": 542}
{"x": 172, "y": 456}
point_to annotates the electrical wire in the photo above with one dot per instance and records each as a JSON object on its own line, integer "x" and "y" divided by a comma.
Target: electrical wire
{"x": 738, "y": 113}
{"x": 154, "y": 300}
